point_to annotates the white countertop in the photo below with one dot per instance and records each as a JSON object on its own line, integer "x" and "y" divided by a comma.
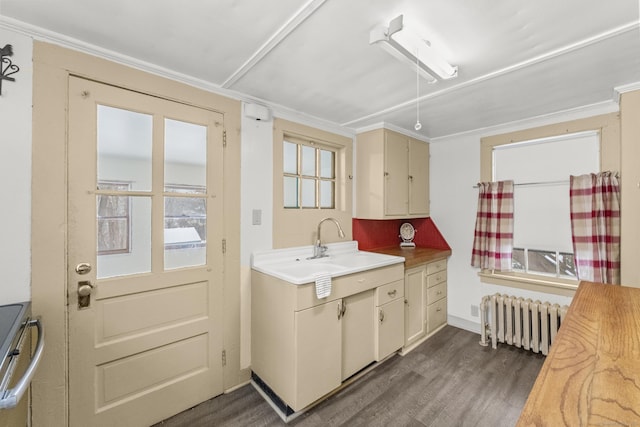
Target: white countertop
{"x": 294, "y": 266}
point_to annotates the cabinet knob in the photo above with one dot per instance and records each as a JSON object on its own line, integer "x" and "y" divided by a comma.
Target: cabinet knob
{"x": 381, "y": 316}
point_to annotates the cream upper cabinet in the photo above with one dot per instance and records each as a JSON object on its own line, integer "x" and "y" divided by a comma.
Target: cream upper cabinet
{"x": 392, "y": 176}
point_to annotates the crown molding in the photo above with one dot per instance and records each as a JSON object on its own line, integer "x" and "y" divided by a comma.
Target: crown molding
{"x": 604, "y": 107}
{"x": 390, "y": 126}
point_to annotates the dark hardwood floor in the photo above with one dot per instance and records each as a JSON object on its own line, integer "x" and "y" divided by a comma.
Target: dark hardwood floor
{"x": 450, "y": 380}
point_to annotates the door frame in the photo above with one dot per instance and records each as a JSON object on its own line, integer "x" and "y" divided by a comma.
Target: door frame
{"x": 52, "y": 66}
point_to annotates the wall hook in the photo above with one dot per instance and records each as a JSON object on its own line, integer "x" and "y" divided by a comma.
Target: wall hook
{"x": 7, "y": 67}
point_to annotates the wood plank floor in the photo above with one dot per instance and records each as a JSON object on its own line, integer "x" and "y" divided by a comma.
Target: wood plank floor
{"x": 450, "y": 380}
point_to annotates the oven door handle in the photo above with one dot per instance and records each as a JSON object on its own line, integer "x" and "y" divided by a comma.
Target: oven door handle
{"x": 13, "y": 396}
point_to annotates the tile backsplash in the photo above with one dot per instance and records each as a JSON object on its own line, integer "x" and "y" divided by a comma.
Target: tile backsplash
{"x": 375, "y": 234}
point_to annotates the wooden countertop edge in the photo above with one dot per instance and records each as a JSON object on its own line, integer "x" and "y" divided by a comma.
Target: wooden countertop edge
{"x": 591, "y": 376}
{"x": 415, "y": 256}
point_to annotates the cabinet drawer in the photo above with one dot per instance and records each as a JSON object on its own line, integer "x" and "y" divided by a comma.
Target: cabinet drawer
{"x": 351, "y": 284}
{"x": 436, "y": 278}
{"x": 436, "y": 292}
{"x": 389, "y": 292}
{"x": 434, "y": 267}
{"x": 436, "y": 315}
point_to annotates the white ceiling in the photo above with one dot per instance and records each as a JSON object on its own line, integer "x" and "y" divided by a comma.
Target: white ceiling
{"x": 517, "y": 59}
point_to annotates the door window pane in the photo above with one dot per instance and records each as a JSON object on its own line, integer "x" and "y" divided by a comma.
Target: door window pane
{"x": 113, "y": 220}
{"x": 111, "y": 232}
{"x": 185, "y": 155}
{"x": 124, "y": 147}
{"x": 185, "y": 232}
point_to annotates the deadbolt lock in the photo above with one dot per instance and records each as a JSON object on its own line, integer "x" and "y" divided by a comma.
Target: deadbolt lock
{"x": 83, "y": 268}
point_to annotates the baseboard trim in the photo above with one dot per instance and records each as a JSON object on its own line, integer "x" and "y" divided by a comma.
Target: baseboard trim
{"x": 465, "y": 324}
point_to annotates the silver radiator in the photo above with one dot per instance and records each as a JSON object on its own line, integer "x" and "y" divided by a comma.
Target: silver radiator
{"x": 524, "y": 323}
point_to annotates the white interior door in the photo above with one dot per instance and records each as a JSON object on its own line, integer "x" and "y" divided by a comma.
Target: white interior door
{"x": 144, "y": 256}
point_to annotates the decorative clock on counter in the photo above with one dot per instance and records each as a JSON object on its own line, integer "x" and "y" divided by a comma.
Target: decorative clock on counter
{"x": 407, "y": 233}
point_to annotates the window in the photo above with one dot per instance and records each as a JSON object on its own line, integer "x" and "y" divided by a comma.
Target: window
{"x": 540, "y": 170}
{"x": 114, "y": 219}
{"x": 185, "y": 218}
{"x": 309, "y": 175}
{"x": 315, "y": 183}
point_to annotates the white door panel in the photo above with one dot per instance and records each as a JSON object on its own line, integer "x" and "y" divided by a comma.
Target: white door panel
{"x": 144, "y": 211}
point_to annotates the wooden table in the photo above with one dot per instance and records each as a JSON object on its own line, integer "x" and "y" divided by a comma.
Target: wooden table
{"x": 591, "y": 376}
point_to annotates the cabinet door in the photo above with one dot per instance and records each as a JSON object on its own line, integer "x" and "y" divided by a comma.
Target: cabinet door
{"x": 396, "y": 191}
{"x": 390, "y": 328}
{"x": 418, "y": 178}
{"x": 358, "y": 335}
{"x": 318, "y": 352}
{"x": 415, "y": 296}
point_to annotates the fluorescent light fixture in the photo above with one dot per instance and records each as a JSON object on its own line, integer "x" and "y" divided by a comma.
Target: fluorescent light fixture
{"x": 408, "y": 47}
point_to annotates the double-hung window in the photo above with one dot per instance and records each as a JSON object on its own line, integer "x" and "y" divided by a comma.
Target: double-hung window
{"x": 541, "y": 169}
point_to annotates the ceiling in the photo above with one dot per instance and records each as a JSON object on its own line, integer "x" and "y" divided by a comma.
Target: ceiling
{"x": 517, "y": 59}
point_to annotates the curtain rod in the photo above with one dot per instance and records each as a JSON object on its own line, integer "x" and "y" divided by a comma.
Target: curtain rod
{"x": 564, "y": 181}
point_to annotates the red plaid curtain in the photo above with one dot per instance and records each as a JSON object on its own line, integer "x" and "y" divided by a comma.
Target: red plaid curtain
{"x": 493, "y": 238}
{"x": 595, "y": 226}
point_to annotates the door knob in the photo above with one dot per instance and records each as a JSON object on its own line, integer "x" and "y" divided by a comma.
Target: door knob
{"x": 84, "y": 289}
{"x": 84, "y": 293}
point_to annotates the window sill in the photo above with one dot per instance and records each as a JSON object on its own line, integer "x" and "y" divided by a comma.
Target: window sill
{"x": 549, "y": 285}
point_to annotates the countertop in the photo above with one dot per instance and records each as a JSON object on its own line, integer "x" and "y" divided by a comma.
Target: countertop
{"x": 592, "y": 373}
{"x": 415, "y": 256}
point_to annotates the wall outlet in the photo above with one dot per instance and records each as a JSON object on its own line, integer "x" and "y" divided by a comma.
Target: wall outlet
{"x": 474, "y": 310}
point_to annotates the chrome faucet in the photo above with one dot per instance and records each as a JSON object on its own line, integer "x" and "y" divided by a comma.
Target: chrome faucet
{"x": 319, "y": 251}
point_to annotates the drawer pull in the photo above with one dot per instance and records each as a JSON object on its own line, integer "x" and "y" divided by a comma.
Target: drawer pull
{"x": 438, "y": 309}
{"x": 392, "y": 293}
{"x": 439, "y": 293}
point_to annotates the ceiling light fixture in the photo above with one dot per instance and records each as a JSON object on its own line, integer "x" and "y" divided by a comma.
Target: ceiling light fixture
{"x": 402, "y": 45}
{"x": 418, "y": 125}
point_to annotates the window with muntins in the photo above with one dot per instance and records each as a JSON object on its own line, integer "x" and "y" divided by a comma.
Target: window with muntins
{"x": 309, "y": 175}
{"x": 540, "y": 170}
{"x": 114, "y": 219}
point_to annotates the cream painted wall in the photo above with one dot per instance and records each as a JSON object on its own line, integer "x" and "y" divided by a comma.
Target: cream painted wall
{"x": 256, "y": 193}
{"x": 15, "y": 172}
{"x": 455, "y": 169}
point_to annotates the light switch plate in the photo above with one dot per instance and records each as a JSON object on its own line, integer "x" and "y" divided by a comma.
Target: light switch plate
{"x": 256, "y": 217}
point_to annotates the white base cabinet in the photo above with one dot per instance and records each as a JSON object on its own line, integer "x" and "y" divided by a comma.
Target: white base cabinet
{"x": 425, "y": 301}
{"x": 302, "y": 348}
